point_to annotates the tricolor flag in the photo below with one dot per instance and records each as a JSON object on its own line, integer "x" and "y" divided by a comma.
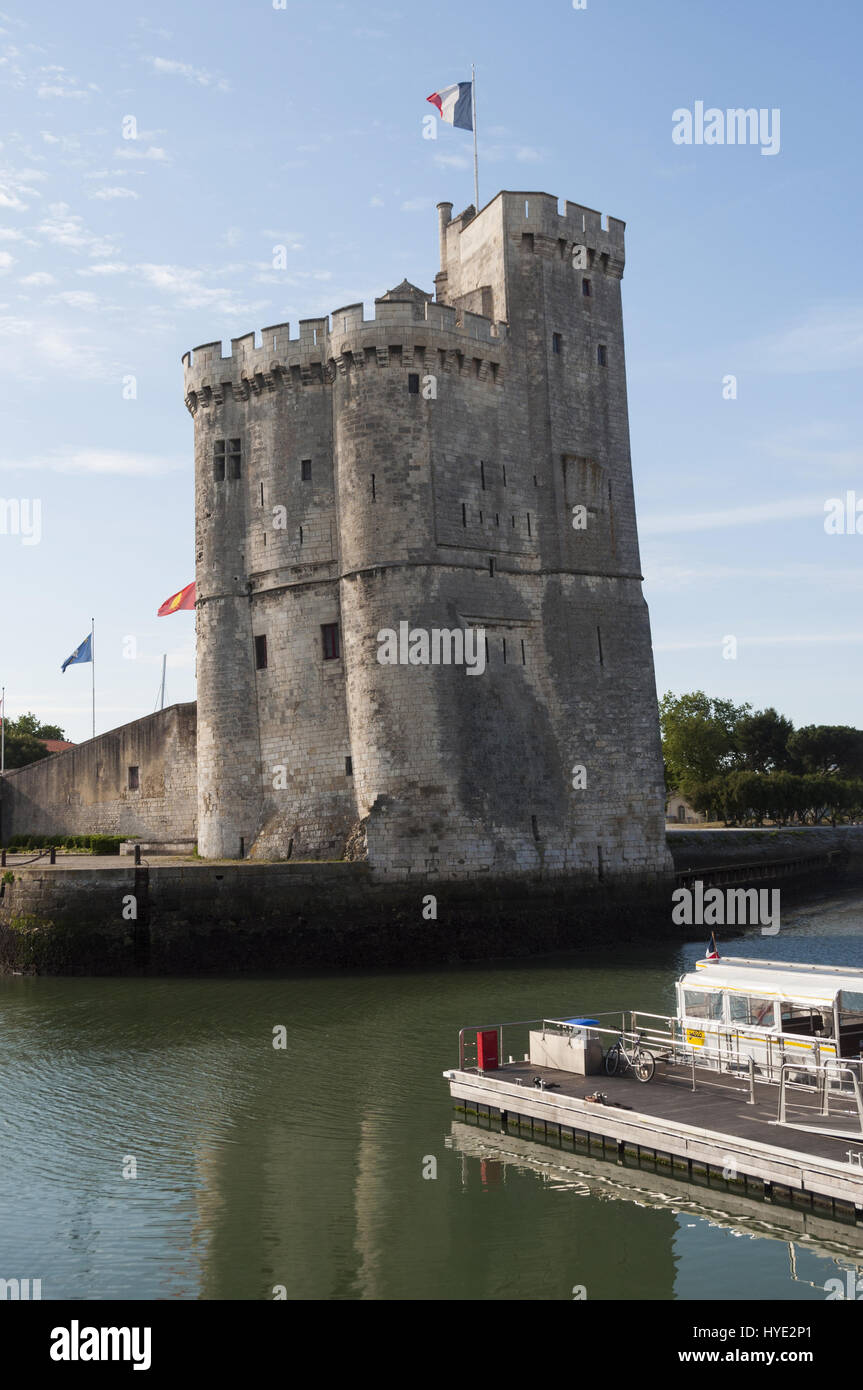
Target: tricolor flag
{"x": 184, "y": 599}
{"x": 711, "y": 952}
{"x": 455, "y": 105}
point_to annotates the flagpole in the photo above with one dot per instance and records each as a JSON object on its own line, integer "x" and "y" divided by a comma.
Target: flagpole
{"x": 475, "y": 149}
{"x": 93, "y": 668}
{"x": 3, "y": 732}
{"x": 164, "y": 664}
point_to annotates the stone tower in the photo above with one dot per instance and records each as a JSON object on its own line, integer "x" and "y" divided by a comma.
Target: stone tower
{"x": 461, "y": 466}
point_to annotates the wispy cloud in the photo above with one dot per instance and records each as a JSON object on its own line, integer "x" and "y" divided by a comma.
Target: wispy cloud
{"x": 108, "y": 194}
{"x": 117, "y": 462}
{"x": 752, "y": 515}
{"x": 199, "y": 77}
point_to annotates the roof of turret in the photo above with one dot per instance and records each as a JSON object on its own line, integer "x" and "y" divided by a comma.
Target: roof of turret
{"x": 404, "y": 291}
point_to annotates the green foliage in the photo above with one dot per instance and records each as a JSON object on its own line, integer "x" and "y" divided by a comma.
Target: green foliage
{"x": 698, "y": 736}
{"x": 84, "y": 844}
{"x": 22, "y": 740}
{"x": 744, "y": 767}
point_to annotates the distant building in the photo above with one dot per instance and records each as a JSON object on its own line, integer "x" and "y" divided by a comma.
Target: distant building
{"x": 56, "y": 745}
{"x": 679, "y": 812}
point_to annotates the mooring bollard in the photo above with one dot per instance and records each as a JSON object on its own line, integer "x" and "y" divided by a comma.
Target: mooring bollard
{"x": 137, "y": 854}
{"x": 53, "y": 859}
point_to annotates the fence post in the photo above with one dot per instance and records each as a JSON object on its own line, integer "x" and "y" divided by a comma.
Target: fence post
{"x": 751, "y": 1100}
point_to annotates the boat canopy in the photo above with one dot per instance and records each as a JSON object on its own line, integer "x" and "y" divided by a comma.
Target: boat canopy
{"x": 814, "y": 984}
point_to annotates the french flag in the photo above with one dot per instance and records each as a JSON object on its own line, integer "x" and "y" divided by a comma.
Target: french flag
{"x": 455, "y": 105}
{"x": 711, "y": 953}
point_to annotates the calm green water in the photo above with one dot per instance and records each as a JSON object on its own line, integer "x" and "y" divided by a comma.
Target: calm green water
{"x": 304, "y": 1167}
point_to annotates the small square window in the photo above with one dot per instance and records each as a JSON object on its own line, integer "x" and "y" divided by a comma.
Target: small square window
{"x": 585, "y": 288}
{"x": 260, "y": 653}
{"x": 134, "y": 780}
{"x": 556, "y": 343}
{"x": 306, "y": 471}
{"x": 234, "y": 455}
{"x": 330, "y": 641}
{"x": 414, "y": 383}
{"x": 602, "y": 355}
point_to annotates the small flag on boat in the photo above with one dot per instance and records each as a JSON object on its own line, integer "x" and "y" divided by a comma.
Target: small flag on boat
{"x": 712, "y": 953}
{"x": 184, "y": 599}
{"x": 82, "y": 653}
{"x": 455, "y": 105}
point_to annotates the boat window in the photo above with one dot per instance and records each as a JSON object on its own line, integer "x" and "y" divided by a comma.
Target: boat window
{"x": 806, "y": 1019}
{"x": 702, "y": 1003}
{"x": 752, "y": 1009}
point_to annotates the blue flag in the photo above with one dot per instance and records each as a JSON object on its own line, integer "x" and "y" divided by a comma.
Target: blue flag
{"x": 82, "y": 653}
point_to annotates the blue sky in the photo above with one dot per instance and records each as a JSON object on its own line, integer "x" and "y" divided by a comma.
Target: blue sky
{"x": 302, "y": 127}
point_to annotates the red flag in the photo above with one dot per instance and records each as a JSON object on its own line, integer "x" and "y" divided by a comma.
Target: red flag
{"x": 184, "y": 599}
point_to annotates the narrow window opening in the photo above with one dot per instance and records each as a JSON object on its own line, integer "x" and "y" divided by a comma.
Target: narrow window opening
{"x": 330, "y": 641}
{"x": 301, "y": 535}
{"x": 512, "y": 519}
{"x": 491, "y": 565}
{"x": 556, "y": 342}
{"x": 585, "y": 288}
{"x": 482, "y": 474}
{"x": 534, "y": 827}
{"x": 349, "y": 767}
{"x": 523, "y": 658}
{"x": 599, "y": 647}
{"x": 306, "y": 471}
{"x": 463, "y": 514}
{"x": 219, "y": 461}
{"x": 600, "y": 872}
{"x": 262, "y": 494}
{"x": 497, "y": 518}
{"x": 480, "y": 518}
{"x": 527, "y": 241}
{"x": 504, "y": 650}
{"x": 602, "y": 355}
{"x": 529, "y": 532}
{"x": 134, "y": 780}
{"x": 535, "y": 483}
{"x": 374, "y": 491}
{"x": 503, "y": 470}
{"x": 235, "y": 454}
{"x": 414, "y": 383}
{"x": 487, "y": 658}
{"x": 260, "y": 653}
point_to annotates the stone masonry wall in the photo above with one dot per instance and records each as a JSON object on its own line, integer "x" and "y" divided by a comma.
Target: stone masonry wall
{"x": 86, "y": 789}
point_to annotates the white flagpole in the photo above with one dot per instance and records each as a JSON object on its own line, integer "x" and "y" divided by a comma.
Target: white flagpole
{"x": 3, "y": 732}
{"x": 164, "y": 664}
{"x": 475, "y": 149}
{"x": 93, "y": 668}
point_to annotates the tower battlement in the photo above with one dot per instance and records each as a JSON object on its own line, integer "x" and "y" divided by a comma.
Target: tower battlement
{"x": 321, "y": 339}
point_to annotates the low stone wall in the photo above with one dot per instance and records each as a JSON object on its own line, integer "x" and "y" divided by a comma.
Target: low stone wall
{"x": 701, "y": 849}
{"x": 85, "y": 791}
{"x": 230, "y": 918}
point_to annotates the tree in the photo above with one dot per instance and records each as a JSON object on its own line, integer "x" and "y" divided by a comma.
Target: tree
{"x": 833, "y": 750}
{"x": 698, "y": 737}
{"x": 762, "y": 741}
{"x": 23, "y": 739}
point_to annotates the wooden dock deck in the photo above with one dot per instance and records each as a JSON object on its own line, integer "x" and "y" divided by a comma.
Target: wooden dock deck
{"x": 709, "y": 1134}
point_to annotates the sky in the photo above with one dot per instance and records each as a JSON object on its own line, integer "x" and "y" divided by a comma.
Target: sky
{"x": 152, "y": 157}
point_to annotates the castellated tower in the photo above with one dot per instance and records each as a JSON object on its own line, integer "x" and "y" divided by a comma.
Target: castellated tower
{"x": 459, "y": 465}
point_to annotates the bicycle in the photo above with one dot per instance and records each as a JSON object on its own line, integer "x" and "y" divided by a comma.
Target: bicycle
{"x": 641, "y": 1062}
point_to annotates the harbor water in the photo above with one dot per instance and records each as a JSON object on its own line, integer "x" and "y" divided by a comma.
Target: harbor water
{"x": 156, "y": 1144}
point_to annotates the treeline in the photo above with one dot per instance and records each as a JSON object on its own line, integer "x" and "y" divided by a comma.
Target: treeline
{"x": 745, "y": 766}
{"x": 23, "y": 740}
